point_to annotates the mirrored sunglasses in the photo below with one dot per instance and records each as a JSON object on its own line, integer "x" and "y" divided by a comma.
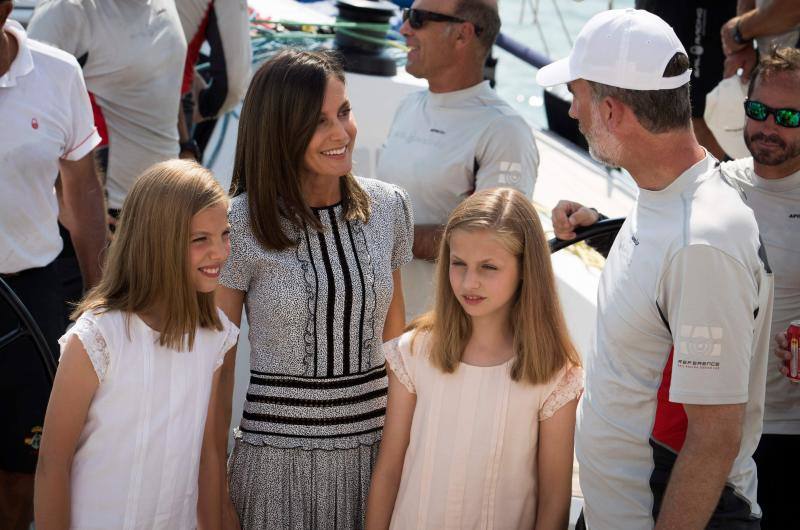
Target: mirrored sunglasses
{"x": 789, "y": 118}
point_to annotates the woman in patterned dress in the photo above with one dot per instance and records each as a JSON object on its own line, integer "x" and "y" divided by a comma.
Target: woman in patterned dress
{"x": 315, "y": 259}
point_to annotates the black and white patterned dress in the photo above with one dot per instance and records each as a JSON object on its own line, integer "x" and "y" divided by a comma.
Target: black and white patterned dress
{"x": 317, "y": 396}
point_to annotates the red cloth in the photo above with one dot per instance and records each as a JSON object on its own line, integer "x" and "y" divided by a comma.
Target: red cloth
{"x": 193, "y": 51}
{"x": 99, "y": 121}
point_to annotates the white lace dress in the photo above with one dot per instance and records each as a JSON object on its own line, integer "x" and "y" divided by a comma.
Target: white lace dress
{"x": 137, "y": 459}
{"x": 471, "y": 459}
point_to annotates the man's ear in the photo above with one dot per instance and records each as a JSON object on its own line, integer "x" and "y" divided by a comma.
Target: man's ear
{"x": 614, "y": 113}
{"x": 465, "y": 33}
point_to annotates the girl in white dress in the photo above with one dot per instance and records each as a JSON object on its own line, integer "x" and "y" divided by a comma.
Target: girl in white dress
{"x": 128, "y": 437}
{"x": 483, "y": 389}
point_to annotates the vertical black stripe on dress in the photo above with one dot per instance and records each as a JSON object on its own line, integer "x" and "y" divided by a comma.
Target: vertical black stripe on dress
{"x": 331, "y": 301}
{"x": 363, "y": 296}
{"x": 348, "y": 293}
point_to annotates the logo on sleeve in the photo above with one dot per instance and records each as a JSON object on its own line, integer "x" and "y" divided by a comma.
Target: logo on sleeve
{"x": 511, "y": 172}
{"x": 699, "y": 346}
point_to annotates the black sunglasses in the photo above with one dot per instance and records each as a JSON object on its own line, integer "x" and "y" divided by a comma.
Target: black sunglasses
{"x": 416, "y": 18}
{"x": 789, "y": 118}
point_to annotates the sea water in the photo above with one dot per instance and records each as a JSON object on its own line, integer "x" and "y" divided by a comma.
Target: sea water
{"x": 516, "y": 80}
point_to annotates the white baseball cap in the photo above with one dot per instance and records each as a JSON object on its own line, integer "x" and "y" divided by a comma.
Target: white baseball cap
{"x": 625, "y": 48}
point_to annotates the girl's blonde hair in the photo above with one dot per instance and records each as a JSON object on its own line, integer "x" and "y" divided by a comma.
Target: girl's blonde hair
{"x": 147, "y": 264}
{"x": 541, "y": 340}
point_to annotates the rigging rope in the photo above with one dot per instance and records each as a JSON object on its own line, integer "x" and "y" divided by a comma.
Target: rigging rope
{"x": 534, "y": 6}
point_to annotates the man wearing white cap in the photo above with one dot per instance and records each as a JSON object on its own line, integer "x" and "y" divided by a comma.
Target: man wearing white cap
{"x": 674, "y": 394}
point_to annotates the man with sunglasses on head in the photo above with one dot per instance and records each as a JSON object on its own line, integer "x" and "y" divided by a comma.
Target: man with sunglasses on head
{"x": 458, "y": 136}
{"x": 770, "y": 180}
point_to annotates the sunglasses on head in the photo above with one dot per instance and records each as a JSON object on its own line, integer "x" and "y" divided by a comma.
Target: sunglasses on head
{"x": 416, "y": 18}
{"x": 756, "y": 110}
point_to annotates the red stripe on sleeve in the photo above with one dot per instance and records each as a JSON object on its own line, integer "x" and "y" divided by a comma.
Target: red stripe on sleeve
{"x": 670, "y": 425}
{"x": 99, "y": 121}
{"x": 193, "y": 51}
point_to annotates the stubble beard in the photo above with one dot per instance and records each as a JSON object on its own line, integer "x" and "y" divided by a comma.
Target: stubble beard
{"x": 771, "y": 157}
{"x": 603, "y": 146}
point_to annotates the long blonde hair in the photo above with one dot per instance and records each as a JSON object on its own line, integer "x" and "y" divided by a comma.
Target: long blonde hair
{"x": 147, "y": 265}
{"x": 541, "y": 340}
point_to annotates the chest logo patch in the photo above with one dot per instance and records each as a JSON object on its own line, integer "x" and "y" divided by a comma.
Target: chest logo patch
{"x": 34, "y": 123}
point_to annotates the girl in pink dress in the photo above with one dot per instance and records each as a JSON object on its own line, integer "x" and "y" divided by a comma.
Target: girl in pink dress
{"x": 483, "y": 389}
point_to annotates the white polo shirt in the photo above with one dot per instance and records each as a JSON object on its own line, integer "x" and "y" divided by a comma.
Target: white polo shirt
{"x": 134, "y": 56}
{"x": 46, "y": 116}
{"x": 683, "y": 314}
{"x": 441, "y": 148}
{"x": 776, "y": 205}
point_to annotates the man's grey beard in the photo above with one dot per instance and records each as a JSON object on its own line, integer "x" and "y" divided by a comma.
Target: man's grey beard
{"x": 603, "y": 147}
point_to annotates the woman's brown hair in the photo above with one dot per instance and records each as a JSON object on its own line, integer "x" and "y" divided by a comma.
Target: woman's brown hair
{"x": 147, "y": 265}
{"x": 279, "y": 115}
{"x": 541, "y": 340}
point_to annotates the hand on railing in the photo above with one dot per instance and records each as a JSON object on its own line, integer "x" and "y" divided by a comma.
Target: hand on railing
{"x": 567, "y": 216}
{"x": 573, "y": 222}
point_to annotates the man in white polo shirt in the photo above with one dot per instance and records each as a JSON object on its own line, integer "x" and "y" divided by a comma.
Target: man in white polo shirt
{"x": 674, "y": 395}
{"x": 457, "y": 137}
{"x": 47, "y": 129}
{"x": 770, "y": 180}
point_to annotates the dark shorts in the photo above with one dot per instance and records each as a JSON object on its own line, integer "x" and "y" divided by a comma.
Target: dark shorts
{"x": 778, "y": 484}
{"x": 697, "y": 24}
{"x": 69, "y": 271}
{"x": 732, "y": 512}
{"x": 580, "y": 524}
{"x": 24, "y": 389}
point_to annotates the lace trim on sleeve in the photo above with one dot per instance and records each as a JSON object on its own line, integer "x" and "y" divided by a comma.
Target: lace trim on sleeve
{"x": 93, "y": 342}
{"x": 568, "y": 388}
{"x": 231, "y": 332}
{"x": 391, "y": 350}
